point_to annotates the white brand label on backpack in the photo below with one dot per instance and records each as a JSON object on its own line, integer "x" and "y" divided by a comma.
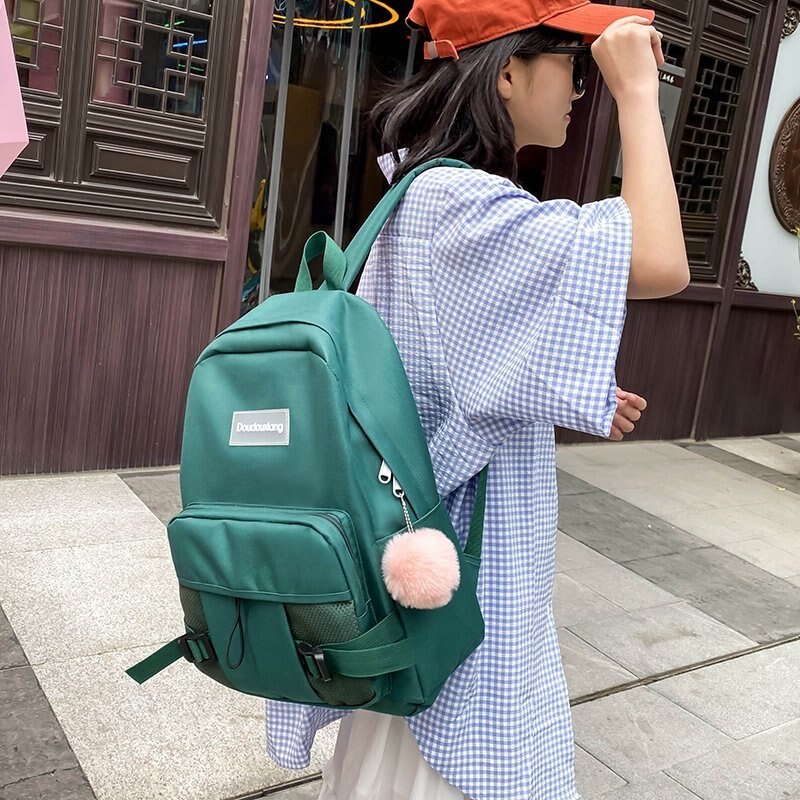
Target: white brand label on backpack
{"x": 260, "y": 428}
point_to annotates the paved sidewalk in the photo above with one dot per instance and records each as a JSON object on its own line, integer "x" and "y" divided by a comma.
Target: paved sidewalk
{"x": 677, "y": 599}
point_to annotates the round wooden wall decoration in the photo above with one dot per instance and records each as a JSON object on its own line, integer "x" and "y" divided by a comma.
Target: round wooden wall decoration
{"x": 790, "y": 22}
{"x": 784, "y": 171}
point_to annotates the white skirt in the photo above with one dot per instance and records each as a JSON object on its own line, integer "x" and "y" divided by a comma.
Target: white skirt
{"x": 377, "y": 758}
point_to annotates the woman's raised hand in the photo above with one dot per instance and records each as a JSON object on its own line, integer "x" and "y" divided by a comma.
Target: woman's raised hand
{"x": 628, "y": 55}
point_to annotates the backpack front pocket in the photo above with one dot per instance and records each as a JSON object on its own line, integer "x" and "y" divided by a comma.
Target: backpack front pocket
{"x": 273, "y": 586}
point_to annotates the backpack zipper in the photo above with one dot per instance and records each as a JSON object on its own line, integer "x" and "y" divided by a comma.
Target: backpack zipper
{"x": 385, "y": 477}
{"x": 356, "y": 561}
{"x": 339, "y": 527}
{"x": 332, "y": 518}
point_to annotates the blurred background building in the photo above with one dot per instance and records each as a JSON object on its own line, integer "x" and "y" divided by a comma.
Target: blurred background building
{"x": 182, "y": 151}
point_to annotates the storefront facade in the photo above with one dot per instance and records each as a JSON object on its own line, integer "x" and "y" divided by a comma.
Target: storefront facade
{"x": 182, "y": 151}
{"x": 719, "y": 359}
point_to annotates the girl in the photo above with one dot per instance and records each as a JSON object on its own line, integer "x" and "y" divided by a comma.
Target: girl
{"x": 508, "y": 314}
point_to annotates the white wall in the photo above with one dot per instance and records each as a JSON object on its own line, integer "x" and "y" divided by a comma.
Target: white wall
{"x": 771, "y": 251}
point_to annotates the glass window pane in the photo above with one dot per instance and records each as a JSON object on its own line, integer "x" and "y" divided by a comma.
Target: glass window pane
{"x": 315, "y": 102}
{"x": 384, "y": 60}
{"x": 37, "y": 27}
{"x": 314, "y": 118}
{"x": 153, "y": 54}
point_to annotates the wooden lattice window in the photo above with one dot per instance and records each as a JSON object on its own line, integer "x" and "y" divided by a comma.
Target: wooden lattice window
{"x": 154, "y": 56}
{"x": 37, "y": 29}
{"x": 714, "y": 48}
{"x": 708, "y": 134}
{"x": 128, "y": 104}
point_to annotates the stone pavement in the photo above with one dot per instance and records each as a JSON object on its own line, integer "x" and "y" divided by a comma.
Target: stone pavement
{"x": 677, "y": 599}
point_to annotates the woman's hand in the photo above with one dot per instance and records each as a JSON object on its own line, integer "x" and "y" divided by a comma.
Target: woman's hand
{"x": 629, "y": 54}
{"x": 629, "y": 411}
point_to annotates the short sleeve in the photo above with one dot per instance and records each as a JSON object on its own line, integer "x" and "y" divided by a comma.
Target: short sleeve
{"x": 530, "y": 302}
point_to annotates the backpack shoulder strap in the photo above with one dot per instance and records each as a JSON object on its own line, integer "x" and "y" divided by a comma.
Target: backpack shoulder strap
{"x": 358, "y": 250}
{"x": 341, "y": 269}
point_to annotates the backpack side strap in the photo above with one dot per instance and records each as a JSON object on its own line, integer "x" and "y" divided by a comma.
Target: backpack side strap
{"x": 379, "y": 651}
{"x": 384, "y": 648}
{"x": 475, "y": 539}
{"x": 194, "y": 647}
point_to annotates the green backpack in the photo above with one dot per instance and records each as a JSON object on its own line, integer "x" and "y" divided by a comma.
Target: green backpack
{"x": 303, "y": 457}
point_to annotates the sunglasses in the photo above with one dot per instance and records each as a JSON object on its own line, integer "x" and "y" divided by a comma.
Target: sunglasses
{"x": 580, "y": 70}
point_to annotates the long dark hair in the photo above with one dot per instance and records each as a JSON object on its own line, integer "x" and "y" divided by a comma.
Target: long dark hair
{"x": 451, "y": 108}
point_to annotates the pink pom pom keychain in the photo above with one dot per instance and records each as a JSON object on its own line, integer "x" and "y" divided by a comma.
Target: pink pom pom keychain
{"x": 420, "y": 567}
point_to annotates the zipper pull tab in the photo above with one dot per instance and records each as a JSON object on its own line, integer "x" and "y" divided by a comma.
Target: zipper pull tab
{"x": 385, "y": 474}
{"x": 397, "y": 489}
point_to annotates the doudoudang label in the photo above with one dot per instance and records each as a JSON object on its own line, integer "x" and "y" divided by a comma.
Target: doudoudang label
{"x": 265, "y": 428}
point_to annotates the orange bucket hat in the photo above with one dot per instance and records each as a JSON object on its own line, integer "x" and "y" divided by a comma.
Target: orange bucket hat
{"x": 455, "y": 25}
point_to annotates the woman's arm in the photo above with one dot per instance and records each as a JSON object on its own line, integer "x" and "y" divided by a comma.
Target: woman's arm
{"x": 628, "y": 55}
{"x": 659, "y": 266}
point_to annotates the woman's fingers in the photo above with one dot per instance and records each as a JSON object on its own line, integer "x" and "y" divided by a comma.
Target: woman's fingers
{"x": 629, "y": 411}
{"x": 629, "y": 398}
{"x": 656, "y": 38}
{"x": 623, "y": 423}
{"x": 637, "y": 402}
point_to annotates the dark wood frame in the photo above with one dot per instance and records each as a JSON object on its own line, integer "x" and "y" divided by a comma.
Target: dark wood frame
{"x": 104, "y": 317}
{"x": 60, "y": 177}
{"x": 249, "y": 113}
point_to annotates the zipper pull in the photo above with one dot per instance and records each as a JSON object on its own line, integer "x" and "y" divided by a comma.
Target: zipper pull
{"x": 397, "y": 491}
{"x": 385, "y": 474}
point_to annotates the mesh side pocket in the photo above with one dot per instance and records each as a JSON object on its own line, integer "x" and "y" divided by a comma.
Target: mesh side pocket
{"x": 195, "y": 619}
{"x": 328, "y": 623}
{"x": 193, "y": 614}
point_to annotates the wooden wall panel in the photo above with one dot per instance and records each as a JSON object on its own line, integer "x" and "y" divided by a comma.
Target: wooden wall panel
{"x": 97, "y": 351}
{"x": 661, "y": 357}
{"x": 757, "y": 390}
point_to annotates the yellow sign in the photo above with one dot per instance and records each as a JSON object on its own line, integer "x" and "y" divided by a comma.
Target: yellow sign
{"x": 343, "y": 24}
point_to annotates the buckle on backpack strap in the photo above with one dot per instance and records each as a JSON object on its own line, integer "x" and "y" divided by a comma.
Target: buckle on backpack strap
{"x": 196, "y": 647}
{"x": 315, "y": 661}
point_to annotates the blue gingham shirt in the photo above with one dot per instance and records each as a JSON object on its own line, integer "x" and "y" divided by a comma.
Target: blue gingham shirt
{"x": 508, "y": 314}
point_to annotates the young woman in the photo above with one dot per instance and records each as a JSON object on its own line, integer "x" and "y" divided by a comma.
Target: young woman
{"x": 508, "y": 314}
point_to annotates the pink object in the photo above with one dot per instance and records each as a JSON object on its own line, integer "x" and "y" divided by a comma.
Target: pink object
{"x": 420, "y": 569}
{"x": 13, "y": 130}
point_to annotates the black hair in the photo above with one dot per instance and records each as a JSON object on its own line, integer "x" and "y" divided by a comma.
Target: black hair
{"x": 451, "y": 108}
